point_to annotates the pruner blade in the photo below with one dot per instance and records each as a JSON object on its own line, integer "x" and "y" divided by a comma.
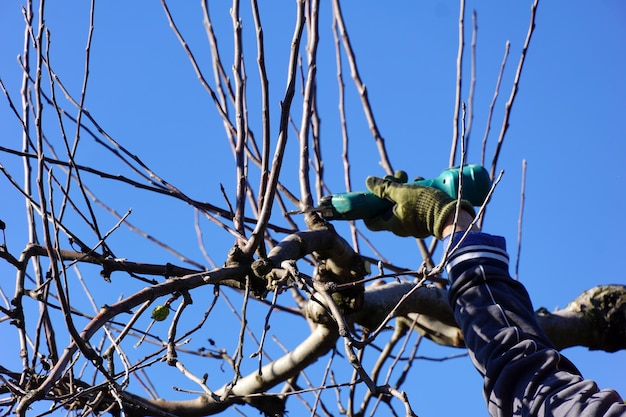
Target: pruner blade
{"x": 325, "y": 208}
{"x": 309, "y": 210}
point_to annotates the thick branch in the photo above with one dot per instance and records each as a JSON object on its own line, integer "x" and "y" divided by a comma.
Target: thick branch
{"x": 321, "y": 340}
{"x": 596, "y": 319}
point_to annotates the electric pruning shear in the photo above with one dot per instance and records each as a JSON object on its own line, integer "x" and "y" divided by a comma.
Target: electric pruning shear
{"x": 474, "y": 179}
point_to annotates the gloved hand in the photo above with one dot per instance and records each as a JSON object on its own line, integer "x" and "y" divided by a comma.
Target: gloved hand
{"x": 418, "y": 211}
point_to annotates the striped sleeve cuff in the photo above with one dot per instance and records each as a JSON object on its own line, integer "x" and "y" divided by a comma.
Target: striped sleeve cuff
{"x": 476, "y": 249}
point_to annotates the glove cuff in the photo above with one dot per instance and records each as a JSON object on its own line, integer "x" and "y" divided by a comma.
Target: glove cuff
{"x": 442, "y": 215}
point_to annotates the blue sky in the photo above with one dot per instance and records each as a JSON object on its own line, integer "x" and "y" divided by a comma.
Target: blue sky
{"x": 567, "y": 123}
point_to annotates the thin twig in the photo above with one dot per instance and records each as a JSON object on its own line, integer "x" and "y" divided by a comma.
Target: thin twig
{"x": 200, "y": 381}
{"x": 345, "y": 138}
{"x": 459, "y": 190}
{"x": 518, "y": 74}
{"x": 270, "y": 191}
{"x": 399, "y": 332}
{"x": 266, "y": 327}
{"x": 470, "y": 99}
{"x": 71, "y": 153}
{"x": 459, "y": 79}
{"x": 496, "y": 92}
{"x": 172, "y": 356}
{"x": 367, "y": 108}
{"x": 218, "y": 105}
{"x": 265, "y": 154}
{"x": 306, "y": 198}
{"x": 238, "y": 356}
{"x": 219, "y": 74}
{"x": 520, "y": 219}
{"x": 240, "y": 120}
{"x": 28, "y": 182}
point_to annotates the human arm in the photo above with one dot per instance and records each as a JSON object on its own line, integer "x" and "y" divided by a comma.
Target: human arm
{"x": 524, "y": 374}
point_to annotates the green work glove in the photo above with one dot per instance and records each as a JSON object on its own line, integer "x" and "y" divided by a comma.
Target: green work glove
{"x": 418, "y": 211}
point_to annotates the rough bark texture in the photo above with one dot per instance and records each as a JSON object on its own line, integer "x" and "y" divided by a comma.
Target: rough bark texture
{"x": 596, "y": 319}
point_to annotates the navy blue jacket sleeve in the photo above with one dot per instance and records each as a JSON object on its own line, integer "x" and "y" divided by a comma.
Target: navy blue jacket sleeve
{"x": 524, "y": 375}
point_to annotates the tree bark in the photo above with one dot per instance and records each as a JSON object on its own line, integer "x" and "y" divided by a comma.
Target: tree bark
{"x": 596, "y": 319}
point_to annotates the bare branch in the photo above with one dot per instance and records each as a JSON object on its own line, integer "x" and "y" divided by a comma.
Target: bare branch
{"x": 266, "y": 209}
{"x": 519, "y": 220}
{"x": 459, "y": 78}
{"x": 514, "y": 89}
{"x": 493, "y": 103}
{"x": 380, "y": 142}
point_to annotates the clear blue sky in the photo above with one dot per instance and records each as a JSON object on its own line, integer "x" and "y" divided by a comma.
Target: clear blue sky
{"x": 567, "y": 123}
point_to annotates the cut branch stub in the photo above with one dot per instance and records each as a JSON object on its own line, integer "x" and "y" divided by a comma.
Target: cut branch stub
{"x": 236, "y": 257}
{"x": 608, "y": 316}
{"x": 337, "y": 262}
{"x": 595, "y": 319}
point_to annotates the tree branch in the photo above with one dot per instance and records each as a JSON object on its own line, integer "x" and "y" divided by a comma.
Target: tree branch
{"x": 596, "y": 319}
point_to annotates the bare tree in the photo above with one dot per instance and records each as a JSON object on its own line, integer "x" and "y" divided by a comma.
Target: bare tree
{"x": 293, "y": 272}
